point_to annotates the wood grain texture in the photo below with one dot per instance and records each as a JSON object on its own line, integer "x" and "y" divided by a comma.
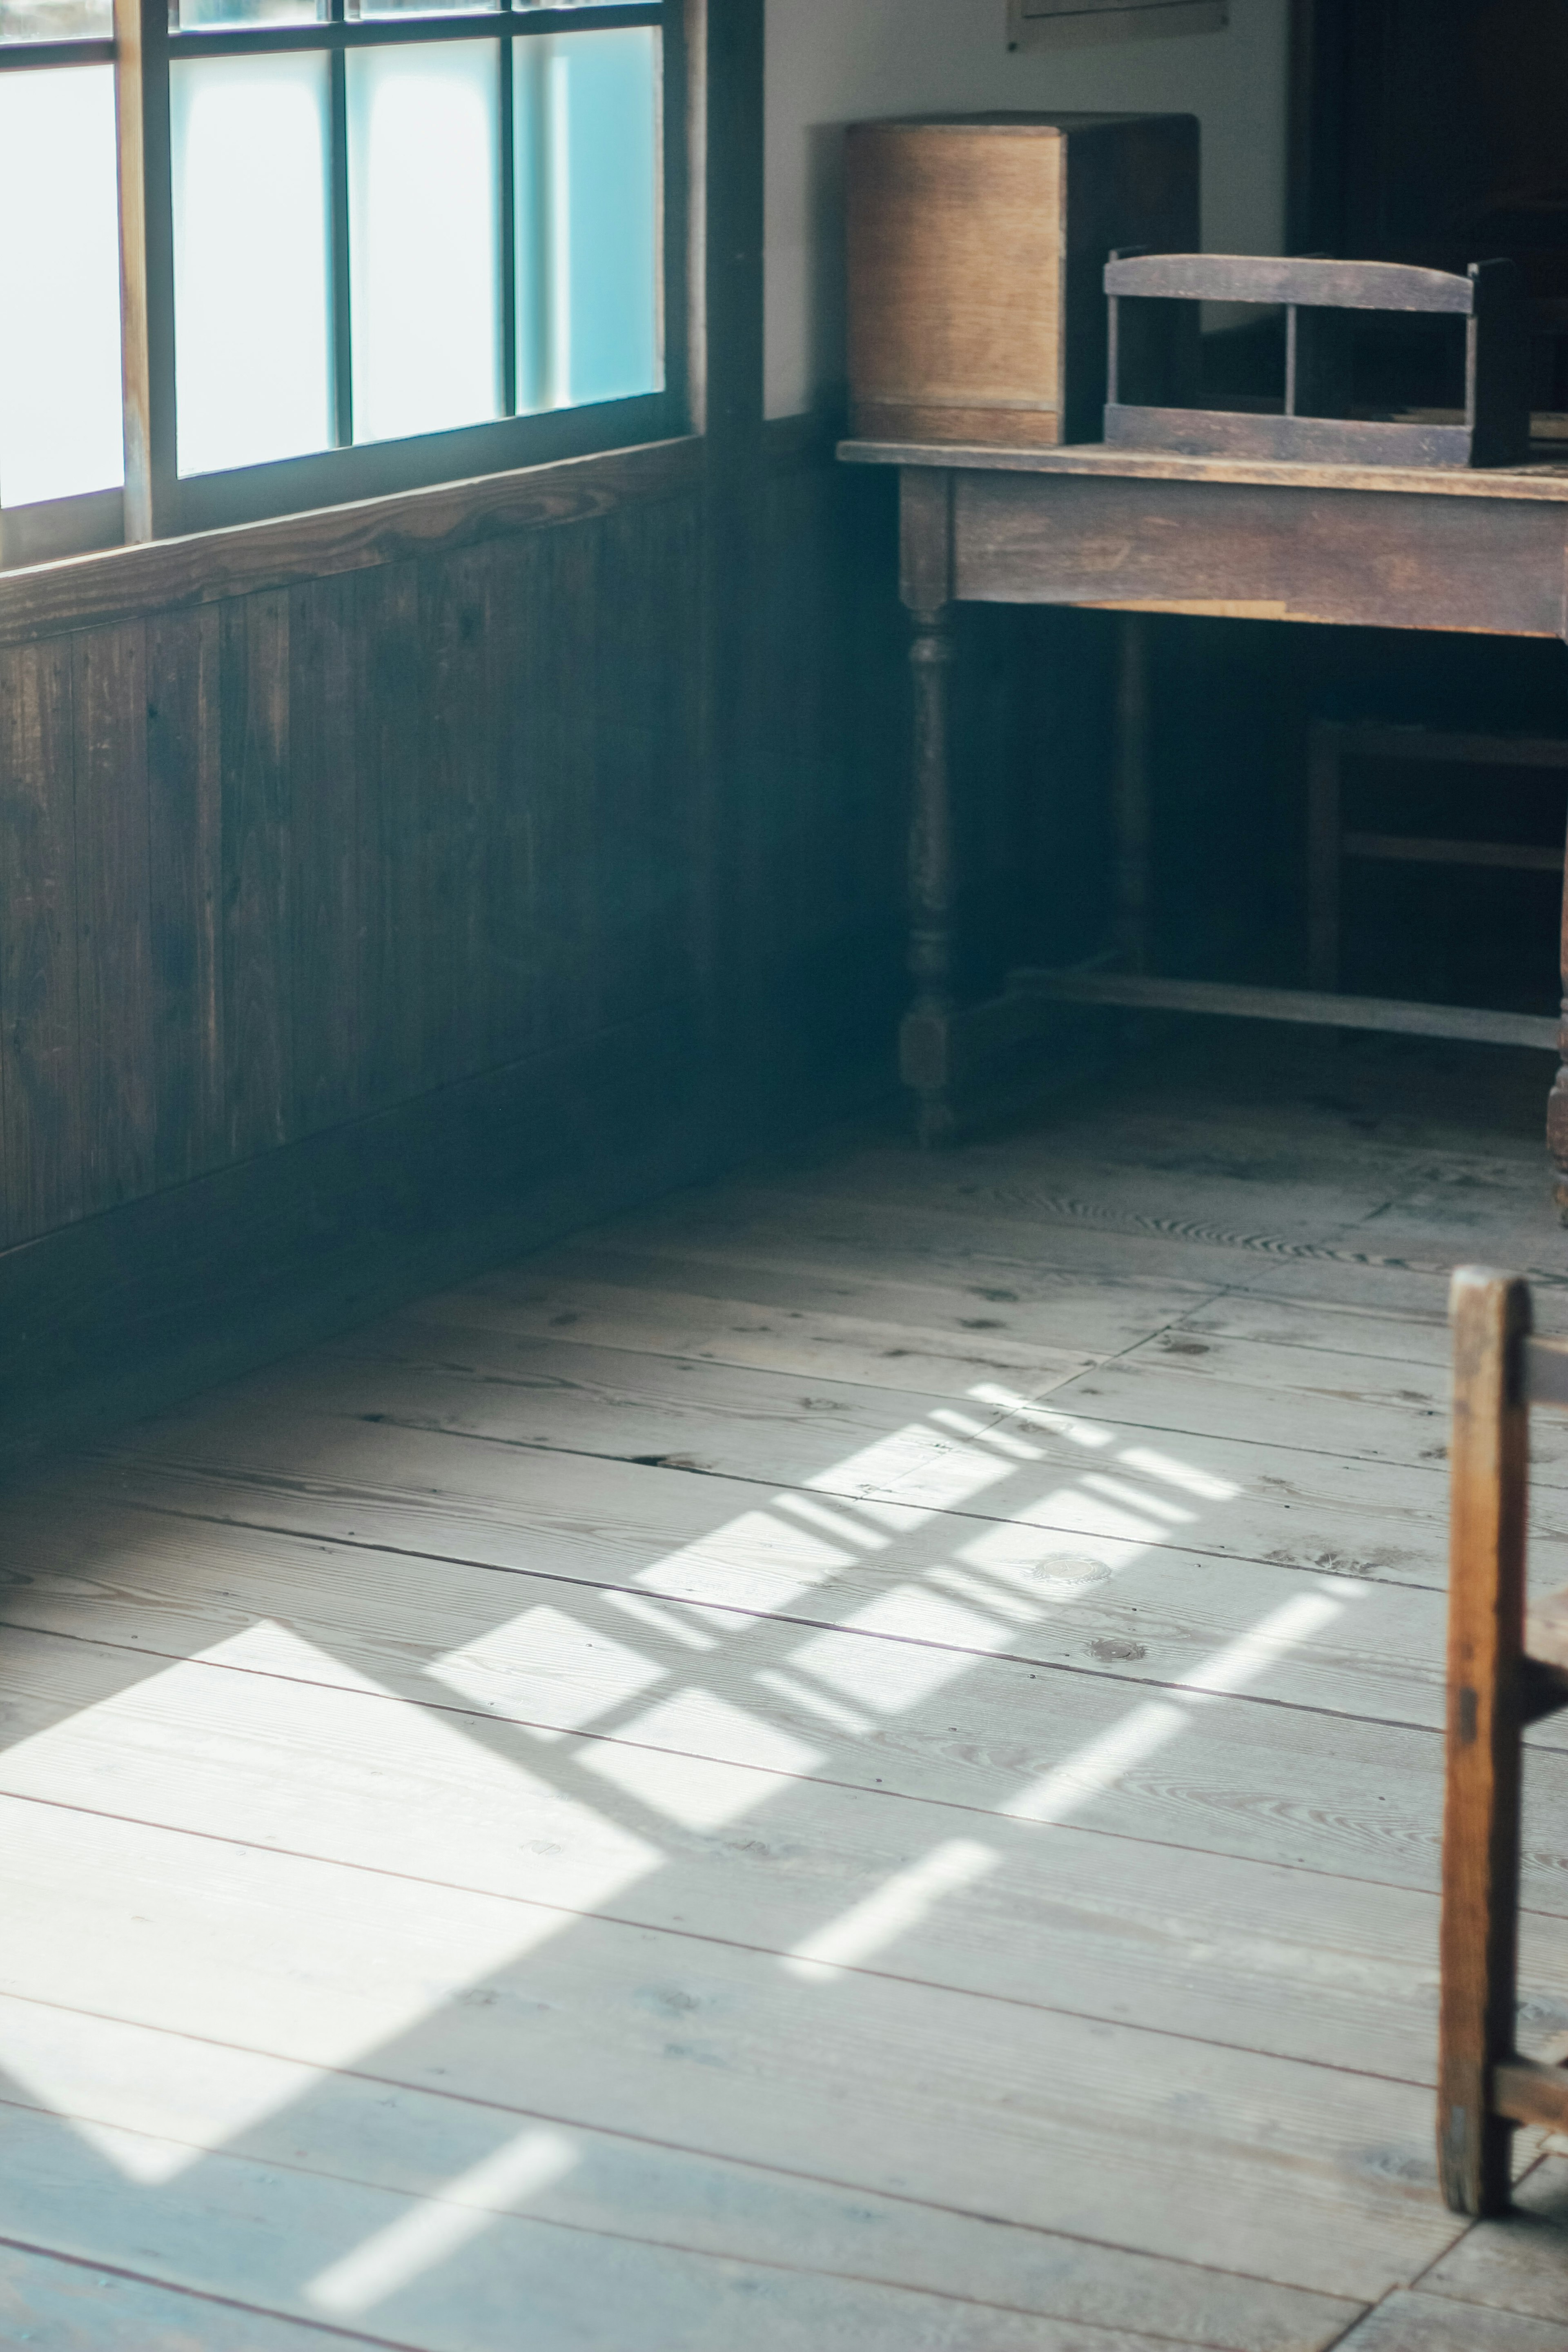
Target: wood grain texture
{"x": 956, "y": 263}
{"x": 127, "y": 583}
{"x": 53, "y": 2299}
{"x": 1127, "y": 1921}
{"x": 184, "y": 783}
{"x": 40, "y": 1038}
{"x": 1405, "y": 562}
{"x": 889, "y": 2274}
{"x": 387, "y": 675}
{"x": 1544, "y": 480}
{"x": 384, "y": 1787}
{"x": 328, "y": 872}
{"x": 1489, "y": 1470}
{"x": 110, "y": 1317}
{"x": 114, "y": 912}
{"x": 1320, "y": 284}
{"x": 428, "y": 818}
{"x": 976, "y": 249}
{"x": 1157, "y": 1622}
{"x": 257, "y": 817}
{"x": 1518, "y": 2262}
{"x": 1420, "y": 2322}
{"x": 775, "y": 2048}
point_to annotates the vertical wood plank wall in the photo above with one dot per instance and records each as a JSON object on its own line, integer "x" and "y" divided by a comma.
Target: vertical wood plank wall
{"x": 387, "y": 885}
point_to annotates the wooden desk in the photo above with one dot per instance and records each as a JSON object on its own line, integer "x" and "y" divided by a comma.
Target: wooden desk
{"x": 1125, "y": 530}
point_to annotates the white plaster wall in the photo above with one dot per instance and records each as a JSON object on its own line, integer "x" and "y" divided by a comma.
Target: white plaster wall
{"x": 831, "y": 62}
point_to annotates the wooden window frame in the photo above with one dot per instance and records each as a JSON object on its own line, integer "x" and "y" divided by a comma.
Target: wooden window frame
{"x": 156, "y": 501}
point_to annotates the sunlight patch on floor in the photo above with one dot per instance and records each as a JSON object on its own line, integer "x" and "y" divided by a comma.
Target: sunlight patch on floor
{"x": 544, "y": 1662}
{"x": 246, "y": 1936}
{"x": 437, "y": 2228}
{"x": 900, "y": 1902}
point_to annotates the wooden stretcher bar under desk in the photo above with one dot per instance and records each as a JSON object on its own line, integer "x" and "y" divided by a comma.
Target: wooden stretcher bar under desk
{"x": 1479, "y": 551}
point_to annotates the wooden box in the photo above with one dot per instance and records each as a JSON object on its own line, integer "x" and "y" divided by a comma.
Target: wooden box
{"x": 977, "y": 252}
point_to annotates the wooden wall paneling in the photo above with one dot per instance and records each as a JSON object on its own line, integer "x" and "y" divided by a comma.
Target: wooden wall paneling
{"x": 558, "y": 777}
{"x": 795, "y": 819}
{"x": 725, "y": 39}
{"x": 513, "y": 971}
{"x": 114, "y": 915}
{"x": 645, "y": 595}
{"x": 388, "y": 699}
{"x": 457, "y": 796}
{"x": 256, "y": 931}
{"x": 185, "y": 836}
{"x": 40, "y": 1025}
{"x": 128, "y": 582}
{"x": 674, "y": 684}
{"x": 324, "y": 854}
{"x": 112, "y": 1317}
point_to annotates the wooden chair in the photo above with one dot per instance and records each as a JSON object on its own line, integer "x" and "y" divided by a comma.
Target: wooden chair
{"x": 1329, "y": 846}
{"x": 1507, "y": 1669}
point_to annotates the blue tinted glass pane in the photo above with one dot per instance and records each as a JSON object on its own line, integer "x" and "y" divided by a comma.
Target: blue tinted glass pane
{"x": 425, "y": 237}
{"x": 251, "y": 259}
{"x": 587, "y": 216}
{"x": 61, "y": 427}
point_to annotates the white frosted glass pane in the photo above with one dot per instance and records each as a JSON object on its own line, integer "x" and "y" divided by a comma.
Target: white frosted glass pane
{"x": 423, "y": 7}
{"x": 588, "y": 215}
{"x": 423, "y": 236}
{"x": 251, "y": 259}
{"x": 204, "y": 16}
{"x": 56, "y": 20}
{"x": 60, "y": 428}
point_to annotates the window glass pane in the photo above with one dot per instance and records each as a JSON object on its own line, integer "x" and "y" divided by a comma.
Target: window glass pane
{"x": 56, "y": 20}
{"x": 204, "y": 16}
{"x": 60, "y": 286}
{"x": 423, "y": 236}
{"x": 420, "y": 8}
{"x": 587, "y": 216}
{"x": 251, "y": 259}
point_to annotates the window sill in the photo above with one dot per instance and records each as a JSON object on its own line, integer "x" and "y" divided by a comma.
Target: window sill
{"x": 119, "y": 584}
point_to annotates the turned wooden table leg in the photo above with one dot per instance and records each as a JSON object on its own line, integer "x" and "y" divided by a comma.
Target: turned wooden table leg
{"x": 925, "y": 1045}
{"x": 1557, "y": 1101}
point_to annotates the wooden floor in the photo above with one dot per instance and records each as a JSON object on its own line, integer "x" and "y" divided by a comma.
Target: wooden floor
{"x": 852, "y": 1762}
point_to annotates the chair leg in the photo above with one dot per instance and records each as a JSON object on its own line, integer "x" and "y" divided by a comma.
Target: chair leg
{"x": 1488, "y": 1475}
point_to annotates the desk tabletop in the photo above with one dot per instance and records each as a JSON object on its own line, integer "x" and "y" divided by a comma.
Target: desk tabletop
{"x": 1544, "y": 477}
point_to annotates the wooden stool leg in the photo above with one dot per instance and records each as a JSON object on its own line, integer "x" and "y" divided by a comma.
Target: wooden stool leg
{"x": 1557, "y": 1101}
{"x": 1488, "y": 1484}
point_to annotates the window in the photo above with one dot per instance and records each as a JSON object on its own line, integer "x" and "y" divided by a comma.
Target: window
{"x": 367, "y": 244}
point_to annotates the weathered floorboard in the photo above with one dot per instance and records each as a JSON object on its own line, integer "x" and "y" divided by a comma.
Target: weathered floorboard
{"x": 889, "y": 2274}
{"x": 880, "y": 1754}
